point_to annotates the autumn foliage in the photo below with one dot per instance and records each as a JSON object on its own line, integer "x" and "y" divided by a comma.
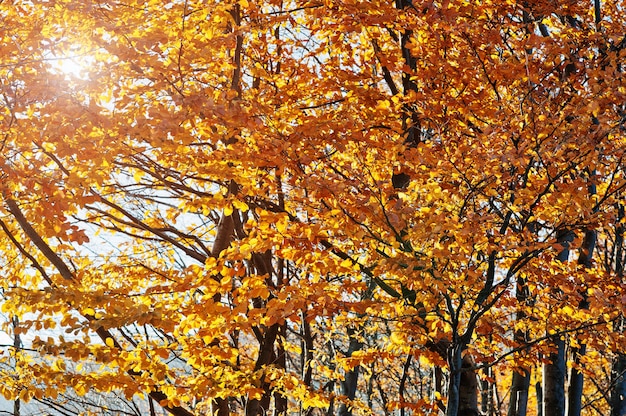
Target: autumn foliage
{"x": 314, "y": 207}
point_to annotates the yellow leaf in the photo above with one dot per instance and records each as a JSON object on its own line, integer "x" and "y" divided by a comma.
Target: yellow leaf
{"x": 25, "y": 395}
{"x": 383, "y": 105}
{"x": 81, "y": 389}
{"x": 240, "y": 205}
{"x": 59, "y": 365}
{"x": 48, "y": 147}
{"x": 395, "y": 338}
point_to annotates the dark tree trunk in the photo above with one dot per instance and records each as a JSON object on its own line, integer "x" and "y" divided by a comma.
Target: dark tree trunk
{"x": 520, "y": 384}
{"x": 17, "y": 344}
{"x": 455, "y": 363}
{"x": 487, "y": 399}
{"x": 468, "y": 390}
{"x": 463, "y": 384}
{"x": 519, "y": 393}
{"x": 575, "y": 392}
{"x": 618, "y": 381}
{"x": 618, "y": 392}
{"x": 539, "y": 393}
{"x": 554, "y": 381}
{"x": 554, "y": 371}
{"x": 438, "y": 387}
{"x": 349, "y": 385}
{"x": 259, "y": 407}
{"x": 280, "y": 399}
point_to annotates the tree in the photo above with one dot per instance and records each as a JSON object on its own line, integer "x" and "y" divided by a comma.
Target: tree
{"x": 243, "y": 208}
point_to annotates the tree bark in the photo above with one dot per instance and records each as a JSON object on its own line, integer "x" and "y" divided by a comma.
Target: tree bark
{"x": 519, "y": 393}
{"x": 575, "y": 391}
{"x": 554, "y": 371}
{"x": 468, "y": 389}
{"x": 554, "y": 381}
{"x": 259, "y": 407}
{"x": 17, "y": 344}
{"x": 280, "y": 399}
{"x": 349, "y": 385}
{"x": 618, "y": 370}
{"x": 618, "y": 392}
{"x": 520, "y": 384}
{"x": 539, "y": 394}
{"x": 463, "y": 384}
{"x": 455, "y": 363}
{"x": 487, "y": 386}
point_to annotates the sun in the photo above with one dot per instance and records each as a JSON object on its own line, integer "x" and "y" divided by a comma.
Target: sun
{"x": 74, "y": 64}
{"x": 70, "y": 67}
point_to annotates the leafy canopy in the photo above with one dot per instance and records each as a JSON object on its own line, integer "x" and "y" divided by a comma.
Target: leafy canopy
{"x": 247, "y": 202}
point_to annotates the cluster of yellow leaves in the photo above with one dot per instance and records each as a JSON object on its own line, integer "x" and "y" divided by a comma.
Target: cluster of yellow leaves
{"x": 218, "y": 186}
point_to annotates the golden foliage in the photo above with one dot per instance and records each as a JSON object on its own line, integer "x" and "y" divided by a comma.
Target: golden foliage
{"x": 198, "y": 197}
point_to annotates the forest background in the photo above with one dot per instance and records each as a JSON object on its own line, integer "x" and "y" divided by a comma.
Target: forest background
{"x": 313, "y": 207}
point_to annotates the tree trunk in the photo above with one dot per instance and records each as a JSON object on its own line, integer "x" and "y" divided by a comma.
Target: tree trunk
{"x": 349, "y": 385}
{"x": 519, "y": 393}
{"x": 463, "y": 384}
{"x": 259, "y": 407}
{"x": 618, "y": 392}
{"x": 455, "y": 363}
{"x": 520, "y": 384}
{"x": 17, "y": 344}
{"x": 554, "y": 381}
{"x": 575, "y": 390}
{"x": 438, "y": 388}
{"x": 539, "y": 394}
{"x": 554, "y": 371}
{"x": 468, "y": 389}
{"x": 405, "y": 375}
{"x": 618, "y": 381}
{"x": 488, "y": 397}
{"x": 280, "y": 399}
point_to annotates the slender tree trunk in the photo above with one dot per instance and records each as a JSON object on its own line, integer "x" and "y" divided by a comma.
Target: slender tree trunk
{"x": 519, "y": 393}
{"x": 575, "y": 391}
{"x": 463, "y": 384}
{"x": 468, "y": 389}
{"x": 405, "y": 374}
{"x": 554, "y": 371}
{"x": 259, "y": 407}
{"x": 438, "y": 388}
{"x": 225, "y": 229}
{"x": 17, "y": 344}
{"x": 618, "y": 379}
{"x": 539, "y": 394}
{"x": 520, "y": 384}
{"x": 280, "y": 399}
{"x": 554, "y": 381}
{"x": 455, "y": 363}
{"x": 618, "y": 392}
{"x": 349, "y": 385}
{"x": 487, "y": 393}
{"x": 266, "y": 337}
{"x": 307, "y": 351}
